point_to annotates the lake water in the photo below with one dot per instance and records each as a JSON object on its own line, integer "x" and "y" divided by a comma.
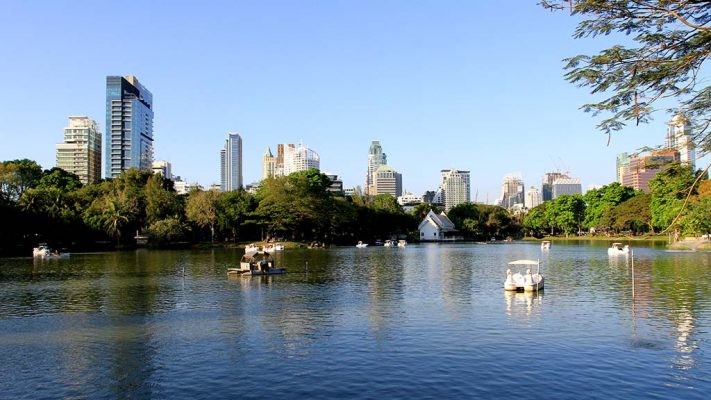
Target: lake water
{"x": 425, "y": 322}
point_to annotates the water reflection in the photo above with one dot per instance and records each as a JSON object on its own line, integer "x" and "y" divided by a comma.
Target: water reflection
{"x": 523, "y": 304}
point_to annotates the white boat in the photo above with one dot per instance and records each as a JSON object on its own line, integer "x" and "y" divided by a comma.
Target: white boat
{"x": 618, "y": 250}
{"x": 401, "y": 243}
{"x": 44, "y": 251}
{"x": 274, "y": 247}
{"x": 361, "y": 245}
{"x": 251, "y": 248}
{"x": 545, "y": 245}
{"x": 256, "y": 263}
{"x": 389, "y": 243}
{"x": 527, "y": 282}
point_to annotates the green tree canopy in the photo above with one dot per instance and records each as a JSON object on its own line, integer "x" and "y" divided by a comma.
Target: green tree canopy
{"x": 669, "y": 189}
{"x": 597, "y": 201}
{"x": 671, "y": 42}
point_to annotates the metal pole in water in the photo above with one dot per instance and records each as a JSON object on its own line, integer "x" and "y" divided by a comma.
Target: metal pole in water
{"x": 632, "y": 256}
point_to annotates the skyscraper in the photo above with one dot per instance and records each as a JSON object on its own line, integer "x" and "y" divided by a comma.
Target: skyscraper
{"x": 566, "y": 185}
{"x": 454, "y": 187}
{"x": 547, "y": 185}
{"x": 512, "y": 191}
{"x": 640, "y": 170}
{"x": 387, "y": 181}
{"x": 129, "y": 125}
{"x": 376, "y": 158}
{"x": 300, "y": 158}
{"x": 231, "y": 163}
{"x": 80, "y": 153}
{"x": 268, "y": 165}
{"x": 679, "y": 139}
{"x": 533, "y": 198}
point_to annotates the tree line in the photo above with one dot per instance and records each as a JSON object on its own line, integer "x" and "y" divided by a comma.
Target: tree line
{"x": 616, "y": 209}
{"x": 53, "y": 206}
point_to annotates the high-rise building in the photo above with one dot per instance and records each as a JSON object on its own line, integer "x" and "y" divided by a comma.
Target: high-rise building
{"x": 512, "y": 191}
{"x": 336, "y": 185}
{"x": 80, "y": 153}
{"x": 231, "y": 163}
{"x": 269, "y": 164}
{"x": 533, "y": 198}
{"x": 679, "y": 139}
{"x": 454, "y": 188}
{"x": 300, "y": 159}
{"x": 563, "y": 186}
{"x": 129, "y": 126}
{"x": 164, "y": 168}
{"x": 386, "y": 181}
{"x": 640, "y": 170}
{"x": 547, "y": 185}
{"x": 623, "y": 159}
{"x": 376, "y": 158}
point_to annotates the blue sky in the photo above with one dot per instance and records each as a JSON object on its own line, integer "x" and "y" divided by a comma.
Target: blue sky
{"x": 442, "y": 84}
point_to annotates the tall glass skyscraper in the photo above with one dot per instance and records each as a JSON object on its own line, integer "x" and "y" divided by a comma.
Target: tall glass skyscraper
{"x": 231, "y": 163}
{"x": 129, "y": 126}
{"x": 376, "y": 158}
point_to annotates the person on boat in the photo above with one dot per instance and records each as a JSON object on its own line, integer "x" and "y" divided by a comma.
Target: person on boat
{"x": 264, "y": 265}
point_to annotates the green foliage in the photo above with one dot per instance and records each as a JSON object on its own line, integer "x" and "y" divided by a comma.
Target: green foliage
{"x": 166, "y": 231}
{"x": 17, "y": 176}
{"x": 482, "y": 222}
{"x": 421, "y": 210}
{"x": 698, "y": 220}
{"x": 669, "y": 189}
{"x": 633, "y": 214}
{"x": 535, "y": 222}
{"x": 235, "y": 212}
{"x": 566, "y": 213}
{"x": 161, "y": 203}
{"x": 201, "y": 209}
{"x": 59, "y": 179}
{"x": 672, "y": 42}
{"x": 599, "y": 200}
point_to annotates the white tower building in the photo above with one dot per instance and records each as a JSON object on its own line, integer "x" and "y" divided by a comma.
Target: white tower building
{"x": 455, "y": 187}
{"x": 679, "y": 139}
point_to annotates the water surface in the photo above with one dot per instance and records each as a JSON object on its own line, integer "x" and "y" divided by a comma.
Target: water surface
{"x": 427, "y": 321}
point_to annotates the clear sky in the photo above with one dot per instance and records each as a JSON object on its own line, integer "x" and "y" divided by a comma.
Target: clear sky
{"x": 474, "y": 85}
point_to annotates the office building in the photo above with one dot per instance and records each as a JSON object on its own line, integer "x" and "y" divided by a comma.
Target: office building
{"x": 336, "y": 186}
{"x": 269, "y": 164}
{"x": 300, "y": 159}
{"x": 376, "y": 158}
{"x": 679, "y": 139}
{"x": 640, "y": 170}
{"x": 231, "y": 163}
{"x": 129, "y": 126}
{"x": 386, "y": 181}
{"x": 563, "y": 186}
{"x": 547, "y": 185}
{"x": 80, "y": 153}
{"x": 162, "y": 167}
{"x": 623, "y": 159}
{"x": 512, "y": 191}
{"x": 454, "y": 189}
{"x": 533, "y": 198}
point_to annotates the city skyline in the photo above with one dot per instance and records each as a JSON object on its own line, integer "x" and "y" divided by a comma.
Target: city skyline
{"x": 432, "y": 100}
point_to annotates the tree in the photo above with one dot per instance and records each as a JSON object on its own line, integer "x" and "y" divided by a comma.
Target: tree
{"x": 465, "y": 217}
{"x": 161, "y": 203}
{"x": 669, "y": 190}
{"x": 59, "y": 179}
{"x": 421, "y": 210}
{"x": 201, "y": 209}
{"x": 535, "y": 222}
{"x": 17, "y": 176}
{"x": 235, "y": 210}
{"x": 672, "y": 41}
{"x": 566, "y": 213}
{"x": 605, "y": 198}
{"x": 632, "y": 214}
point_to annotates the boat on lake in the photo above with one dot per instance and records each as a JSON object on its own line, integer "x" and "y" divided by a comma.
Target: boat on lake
{"x": 361, "y": 245}
{"x": 254, "y": 264}
{"x": 44, "y": 251}
{"x": 401, "y": 243}
{"x": 618, "y": 250}
{"x": 545, "y": 245}
{"x": 524, "y": 282}
{"x": 274, "y": 247}
{"x": 389, "y": 243}
{"x": 251, "y": 248}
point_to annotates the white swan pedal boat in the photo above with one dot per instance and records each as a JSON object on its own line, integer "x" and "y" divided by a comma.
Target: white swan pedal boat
{"x": 618, "y": 250}
{"x": 528, "y": 282}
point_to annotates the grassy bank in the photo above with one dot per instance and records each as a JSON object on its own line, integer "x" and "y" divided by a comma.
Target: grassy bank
{"x": 664, "y": 239}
